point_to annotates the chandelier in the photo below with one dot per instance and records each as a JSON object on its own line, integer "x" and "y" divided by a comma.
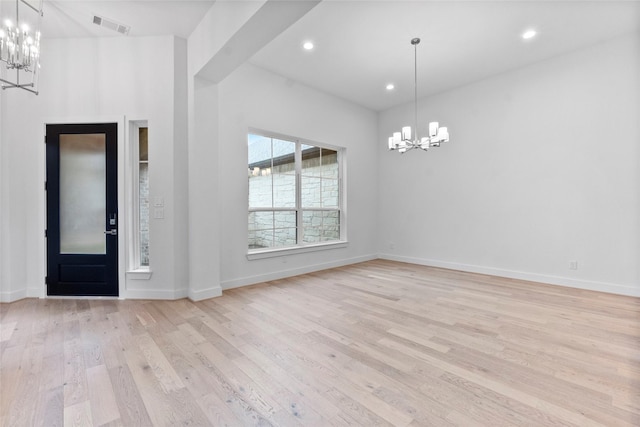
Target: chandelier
{"x": 20, "y": 48}
{"x": 403, "y": 141}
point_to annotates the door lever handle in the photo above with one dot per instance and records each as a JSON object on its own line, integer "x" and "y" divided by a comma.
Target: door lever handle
{"x": 113, "y": 232}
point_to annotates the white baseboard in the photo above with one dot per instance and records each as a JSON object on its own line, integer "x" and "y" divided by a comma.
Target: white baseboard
{"x": 612, "y": 288}
{"x": 36, "y": 292}
{"x": 251, "y": 280}
{"x": 154, "y": 294}
{"x": 212, "y": 292}
{"x": 13, "y": 295}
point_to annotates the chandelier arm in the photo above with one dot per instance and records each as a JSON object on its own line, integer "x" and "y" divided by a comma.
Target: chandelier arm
{"x": 11, "y": 85}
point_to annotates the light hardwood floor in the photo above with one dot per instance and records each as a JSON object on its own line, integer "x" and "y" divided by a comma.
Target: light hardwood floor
{"x": 377, "y": 343}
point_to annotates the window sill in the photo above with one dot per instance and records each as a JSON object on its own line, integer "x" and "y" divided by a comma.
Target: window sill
{"x": 272, "y": 253}
{"x": 143, "y": 273}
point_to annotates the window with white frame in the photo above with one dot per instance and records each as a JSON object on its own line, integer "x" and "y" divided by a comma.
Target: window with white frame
{"x": 143, "y": 194}
{"x": 139, "y": 218}
{"x": 295, "y": 196}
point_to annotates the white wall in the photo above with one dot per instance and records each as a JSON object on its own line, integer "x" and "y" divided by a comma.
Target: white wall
{"x": 542, "y": 169}
{"x": 204, "y": 205}
{"x": 253, "y": 97}
{"x": 180, "y": 155}
{"x": 5, "y": 290}
{"x": 94, "y": 79}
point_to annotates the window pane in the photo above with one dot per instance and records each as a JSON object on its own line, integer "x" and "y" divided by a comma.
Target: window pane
{"x": 259, "y": 149}
{"x": 311, "y": 194}
{"x": 330, "y": 193}
{"x": 285, "y": 237}
{"x": 260, "y": 220}
{"x": 284, "y": 190}
{"x": 260, "y": 191}
{"x": 263, "y": 239}
{"x": 260, "y": 230}
{"x": 143, "y": 195}
{"x": 312, "y": 226}
{"x": 271, "y": 171}
{"x": 285, "y": 219}
{"x": 143, "y": 141}
{"x": 311, "y": 161}
{"x": 320, "y": 226}
{"x": 330, "y": 225}
{"x": 82, "y": 194}
{"x": 285, "y": 229}
{"x": 283, "y": 148}
{"x": 260, "y": 181}
{"x": 272, "y": 229}
{"x": 329, "y": 161}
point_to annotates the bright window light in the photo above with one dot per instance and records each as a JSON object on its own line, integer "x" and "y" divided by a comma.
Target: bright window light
{"x": 529, "y": 34}
{"x": 307, "y": 45}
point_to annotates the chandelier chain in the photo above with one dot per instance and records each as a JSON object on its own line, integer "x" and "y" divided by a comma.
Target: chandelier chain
{"x": 415, "y": 83}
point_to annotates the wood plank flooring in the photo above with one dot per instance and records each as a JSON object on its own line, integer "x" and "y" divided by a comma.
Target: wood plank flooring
{"x": 379, "y": 343}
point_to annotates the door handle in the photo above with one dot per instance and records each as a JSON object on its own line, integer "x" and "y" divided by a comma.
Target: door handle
{"x": 113, "y": 232}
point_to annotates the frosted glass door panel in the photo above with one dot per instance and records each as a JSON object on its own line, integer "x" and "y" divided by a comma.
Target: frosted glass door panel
{"x": 82, "y": 194}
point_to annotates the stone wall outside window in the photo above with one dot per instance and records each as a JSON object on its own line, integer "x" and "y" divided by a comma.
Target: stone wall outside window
{"x": 144, "y": 214}
{"x": 320, "y": 189}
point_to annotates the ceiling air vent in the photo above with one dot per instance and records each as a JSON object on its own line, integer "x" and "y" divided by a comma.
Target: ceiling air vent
{"x": 112, "y": 25}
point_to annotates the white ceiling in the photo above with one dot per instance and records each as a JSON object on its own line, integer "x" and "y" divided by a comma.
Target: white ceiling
{"x": 74, "y": 18}
{"x": 362, "y": 45}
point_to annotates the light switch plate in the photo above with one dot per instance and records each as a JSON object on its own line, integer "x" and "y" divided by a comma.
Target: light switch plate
{"x": 158, "y": 201}
{"x": 158, "y": 213}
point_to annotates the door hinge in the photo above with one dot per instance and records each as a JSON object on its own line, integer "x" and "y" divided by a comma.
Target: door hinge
{"x": 45, "y": 185}
{"x": 46, "y": 280}
{"x": 45, "y": 233}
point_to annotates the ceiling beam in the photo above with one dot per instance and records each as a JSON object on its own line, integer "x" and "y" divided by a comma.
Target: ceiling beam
{"x": 274, "y": 17}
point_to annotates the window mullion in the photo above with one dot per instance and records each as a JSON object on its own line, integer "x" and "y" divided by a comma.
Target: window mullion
{"x": 298, "y": 168}
{"x": 273, "y": 200}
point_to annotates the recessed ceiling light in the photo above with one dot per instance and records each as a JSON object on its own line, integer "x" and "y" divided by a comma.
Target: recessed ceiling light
{"x": 307, "y": 45}
{"x": 529, "y": 34}
{"x": 390, "y": 86}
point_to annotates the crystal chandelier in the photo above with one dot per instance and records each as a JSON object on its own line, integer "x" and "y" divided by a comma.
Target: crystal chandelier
{"x": 403, "y": 141}
{"x": 20, "y": 48}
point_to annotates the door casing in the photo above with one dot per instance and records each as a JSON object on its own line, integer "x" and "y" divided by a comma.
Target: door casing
{"x": 81, "y": 273}
{"x": 39, "y": 288}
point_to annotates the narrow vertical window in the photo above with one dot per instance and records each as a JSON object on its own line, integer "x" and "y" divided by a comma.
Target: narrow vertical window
{"x": 143, "y": 191}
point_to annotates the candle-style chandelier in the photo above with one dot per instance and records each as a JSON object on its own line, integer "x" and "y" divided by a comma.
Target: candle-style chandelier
{"x": 20, "y": 47}
{"x": 403, "y": 141}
